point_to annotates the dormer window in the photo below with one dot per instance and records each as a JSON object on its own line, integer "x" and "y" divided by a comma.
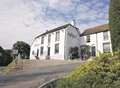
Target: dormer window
{"x": 88, "y": 38}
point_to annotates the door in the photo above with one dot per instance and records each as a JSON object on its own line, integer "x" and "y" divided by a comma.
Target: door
{"x": 37, "y": 56}
{"x": 37, "y": 52}
{"x": 48, "y": 53}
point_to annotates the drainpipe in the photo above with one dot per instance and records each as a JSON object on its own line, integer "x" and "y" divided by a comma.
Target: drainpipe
{"x": 65, "y": 39}
{"x": 111, "y": 49}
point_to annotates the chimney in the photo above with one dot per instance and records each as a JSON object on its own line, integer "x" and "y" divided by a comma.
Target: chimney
{"x": 73, "y": 22}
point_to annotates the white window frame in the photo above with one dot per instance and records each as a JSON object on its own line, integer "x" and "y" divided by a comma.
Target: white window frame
{"x": 41, "y": 50}
{"x": 42, "y": 40}
{"x": 57, "y": 36}
{"x": 105, "y": 36}
{"x": 57, "y": 48}
{"x": 88, "y": 37}
{"x": 49, "y": 38}
{"x": 108, "y": 46}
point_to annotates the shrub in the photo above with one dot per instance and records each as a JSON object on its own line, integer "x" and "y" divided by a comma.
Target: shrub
{"x": 103, "y": 72}
{"x": 117, "y": 54}
{"x": 5, "y": 57}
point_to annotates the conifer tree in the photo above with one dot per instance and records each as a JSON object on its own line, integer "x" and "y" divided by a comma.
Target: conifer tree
{"x": 114, "y": 19}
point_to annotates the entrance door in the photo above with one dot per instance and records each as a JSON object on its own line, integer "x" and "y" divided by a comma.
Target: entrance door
{"x": 37, "y": 56}
{"x": 48, "y": 53}
{"x": 37, "y": 52}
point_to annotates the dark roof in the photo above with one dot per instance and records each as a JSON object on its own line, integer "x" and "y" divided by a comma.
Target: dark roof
{"x": 55, "y": 29}
{"x": 96, "y": 29}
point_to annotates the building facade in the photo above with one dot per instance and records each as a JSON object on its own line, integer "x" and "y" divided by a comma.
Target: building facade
{"x": 66, "y": 42}
{"x": 58, "y": 44}
{"x": 97, "y": 40}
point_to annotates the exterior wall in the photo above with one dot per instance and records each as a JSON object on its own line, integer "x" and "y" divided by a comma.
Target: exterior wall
{"x": 72, "y": 40}
{"x": 69, "y": 38}
{"x": 97, "y": 41}
{"x": 60, "y": 55}
{"x": 37, "y": 44}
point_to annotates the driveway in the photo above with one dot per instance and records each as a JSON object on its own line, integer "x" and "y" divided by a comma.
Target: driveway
{"x": 32, "y": 78}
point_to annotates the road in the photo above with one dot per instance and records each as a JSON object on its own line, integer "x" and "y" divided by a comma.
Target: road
{"x": 32, "y": 78}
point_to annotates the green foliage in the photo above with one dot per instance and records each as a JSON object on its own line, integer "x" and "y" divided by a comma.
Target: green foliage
{"x": 102, "y": 72}
{"x": 5, "y": 57}
{"x": 117, "y": 54}
{"x": 114, "y": 16}
{"x": 23, "y": 49}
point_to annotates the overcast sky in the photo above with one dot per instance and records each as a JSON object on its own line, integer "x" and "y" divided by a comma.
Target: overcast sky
{"x": 22, "y": 20}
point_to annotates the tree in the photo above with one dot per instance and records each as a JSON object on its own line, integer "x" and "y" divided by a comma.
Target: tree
{"x": 114, "y": 17}
{"x": 1, "y": 55}
{"x": 5, "y": 57}
{"x": 23, "y": 49}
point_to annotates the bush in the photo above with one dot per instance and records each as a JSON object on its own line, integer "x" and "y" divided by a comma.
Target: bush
{"x": 103, "y": 72}
{"x": 5, "y": 57}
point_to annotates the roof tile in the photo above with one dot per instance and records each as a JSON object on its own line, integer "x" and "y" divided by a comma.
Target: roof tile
{"x": 96, "y": 29}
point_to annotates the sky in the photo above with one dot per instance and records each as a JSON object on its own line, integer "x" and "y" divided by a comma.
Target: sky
{"x": 22, "y": 20}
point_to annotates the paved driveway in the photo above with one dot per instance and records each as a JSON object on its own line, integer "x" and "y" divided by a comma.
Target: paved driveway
{"x": 32, "y": 78}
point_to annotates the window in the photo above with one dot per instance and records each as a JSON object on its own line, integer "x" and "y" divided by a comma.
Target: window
{"x": 56, "y": 48}
{"x": 42, "y": 40}
{"x": 93, "y": 51}
{"x": 49, "y": 38}
{"x": 41, "y": 50}
{"x": 106, "y": 47}
{"x": 57, "y": 37}
{"x": 88, "y": 38}
{"x": 105, "y": 35}
{"x": 33, "y": 52}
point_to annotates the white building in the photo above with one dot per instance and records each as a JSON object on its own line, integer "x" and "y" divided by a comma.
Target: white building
{"x": 58, "y": 43}
{"x": 66, "y": 42}
{"x": 98, "y": 39}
